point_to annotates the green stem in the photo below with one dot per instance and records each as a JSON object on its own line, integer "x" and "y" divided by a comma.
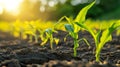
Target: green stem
{"x": 98, "y": 50}
{"x": 51, "y": 42}
{"x": 76, "y": 45}
{"x": 97, "y": 55}
{"x": 30, "y": 38}
{"x": 36, "y": 39}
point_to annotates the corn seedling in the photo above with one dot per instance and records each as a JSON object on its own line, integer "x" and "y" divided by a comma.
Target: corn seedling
{"x": 74, "y": 35}
{"x": 99, "y": 39}
{"x": 33, "y": 33}
{"x": 47, "y": 35}
{"x": 17, "y": 30}
{"x": 73, "y": 29}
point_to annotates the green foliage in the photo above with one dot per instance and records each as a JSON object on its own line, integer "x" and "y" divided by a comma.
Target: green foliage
{"x": 73, "y": 29}
{"x": 106, "y": 36}
{"x": 100, "y": 40}
{"x": 82, "y": 14}
{"x": 47, "y": 35}
{"x": 32, "y": 31}
{"x": 95, "y": 35}
{"x": 74, "y": 35}
{"x": 40, "y": 29}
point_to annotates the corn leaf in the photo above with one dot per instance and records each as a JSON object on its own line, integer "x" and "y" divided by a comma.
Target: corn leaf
{"x": 49, "y": 30}
{"x": 65, "y": 38}
{"x": 66, "y": 18}
{"x": 56, "y": 41}
{"x": 76, "y": 28}
{"x": 85, "y": 27}
{"x": 82, "y": 14}
{"x": 85, "y": 40}
{"x": 106, "y": 36}
{"x": 97, "y": 37}
{"x": 69, "y": 28}
{"x": 44, "y": 42}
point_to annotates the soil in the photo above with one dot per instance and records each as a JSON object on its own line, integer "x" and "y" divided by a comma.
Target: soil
{"x": 20, "y": 53}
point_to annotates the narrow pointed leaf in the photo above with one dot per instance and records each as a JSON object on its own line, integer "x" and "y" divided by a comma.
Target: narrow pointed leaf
{"x": 97, "y": 38}
{"x": 69, "y": 28}
{"x": 82, "y": 14}
{"x": 64, "y": 17}
{"x": 44, "y": 42}
{"x": 106, "y": 36}
{"x": 56, "y": 40}
{"x": 86, "y": 28}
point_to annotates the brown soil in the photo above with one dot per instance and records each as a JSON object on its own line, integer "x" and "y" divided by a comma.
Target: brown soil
{"x": 19, "y": 53}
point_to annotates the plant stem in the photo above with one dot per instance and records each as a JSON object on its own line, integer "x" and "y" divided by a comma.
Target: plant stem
{"x": 30, "y": 38}
{"x": 76, "y": 45}
{"x": 36, "y": 39}
{"x": 51, "y": 41}
{"x": 97, "y": 55}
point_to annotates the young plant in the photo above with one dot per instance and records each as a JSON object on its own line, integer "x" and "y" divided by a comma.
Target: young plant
{"x": 73, "y": 29}
{"x": 74, "y": 35}
{"x": 17, "y": 30}
{"x": 47, "y": 35}
{"x": 100, "y": 38}
{"x": 32, "y": 31}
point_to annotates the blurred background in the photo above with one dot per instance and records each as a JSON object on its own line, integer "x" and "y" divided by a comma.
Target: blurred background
{"x": 11, "y": 10}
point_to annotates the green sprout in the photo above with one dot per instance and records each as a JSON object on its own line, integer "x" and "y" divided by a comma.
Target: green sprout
{"x": 73, "y": 29}
{"x": 47, "y": 35}
{"x": 100, "y": 38}
{"x": 17, "y": 30}
{"x": 32, "y": 31}
{"x": 74, "y": 35}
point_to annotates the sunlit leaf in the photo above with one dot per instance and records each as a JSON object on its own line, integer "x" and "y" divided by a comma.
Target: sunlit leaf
{"x": 69, "y": 28}
{"x": 85, "y": 27}
{"x": 82, "y": 14}
{"x": 66, "y": 18}
{"x": 44, "y": 42}
{"x": 56, "y": 40}
{"x": 106, "y": 36}
{"x": 97, "y": 39}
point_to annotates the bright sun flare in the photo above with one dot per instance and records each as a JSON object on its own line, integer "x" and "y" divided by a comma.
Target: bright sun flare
{"x": 11, "y": 6}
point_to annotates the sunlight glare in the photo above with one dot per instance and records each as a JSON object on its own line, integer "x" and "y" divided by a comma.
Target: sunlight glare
{"x": 1, "y": 10}
{"x": 51, "y": 3}
{"x": 11, "y": 6}
{"x": 43, "y": 2}
{"x": 42, "y": 8}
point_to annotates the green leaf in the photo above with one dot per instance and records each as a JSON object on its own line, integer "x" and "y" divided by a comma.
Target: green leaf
{"x": 44, "y": 42}
{"x": 106, "y": 36}
{"x": 97, "y": 37}
{"x": 49, "y": 30}
{"x": 69, "y": 28}
{"x": 66, "y": 18}
{"x": 76, "y": 28}
{"x": 65, "y": 38}
{"x": 86, "y": 28}
{"x": 56, "y": 40}
{"x": 85, "y": 40}
{"x": 82, "y": 14}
